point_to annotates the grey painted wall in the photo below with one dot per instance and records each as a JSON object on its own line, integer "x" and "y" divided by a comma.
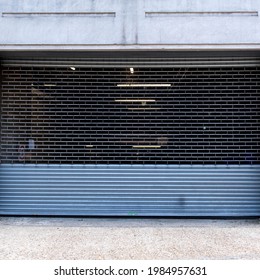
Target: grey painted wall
{"x": 129, "y": 24}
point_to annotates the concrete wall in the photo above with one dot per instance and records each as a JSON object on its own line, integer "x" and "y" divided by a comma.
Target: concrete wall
{"x": 129, "y": 24}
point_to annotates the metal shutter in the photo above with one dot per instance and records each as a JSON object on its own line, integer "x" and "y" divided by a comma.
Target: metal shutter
{"x": 177, "y": 137}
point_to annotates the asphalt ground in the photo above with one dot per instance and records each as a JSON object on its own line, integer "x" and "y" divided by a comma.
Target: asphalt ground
{"x": 131, "y": 239}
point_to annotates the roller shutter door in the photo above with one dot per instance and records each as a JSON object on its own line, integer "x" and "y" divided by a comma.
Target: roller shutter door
{"x": 176, "y": 137}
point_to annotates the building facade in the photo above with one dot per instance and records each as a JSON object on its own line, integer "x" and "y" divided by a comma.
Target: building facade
{"x": 130, "y": 108}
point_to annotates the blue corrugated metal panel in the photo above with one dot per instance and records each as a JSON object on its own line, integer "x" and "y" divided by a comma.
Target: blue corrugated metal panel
{"x": 141, "y": 190}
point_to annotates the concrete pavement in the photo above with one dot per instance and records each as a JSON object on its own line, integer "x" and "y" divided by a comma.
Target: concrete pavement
{"x": 112, "y": 238}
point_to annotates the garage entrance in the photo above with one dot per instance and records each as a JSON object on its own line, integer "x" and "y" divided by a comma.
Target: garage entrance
{"x": 144, "y": 136}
